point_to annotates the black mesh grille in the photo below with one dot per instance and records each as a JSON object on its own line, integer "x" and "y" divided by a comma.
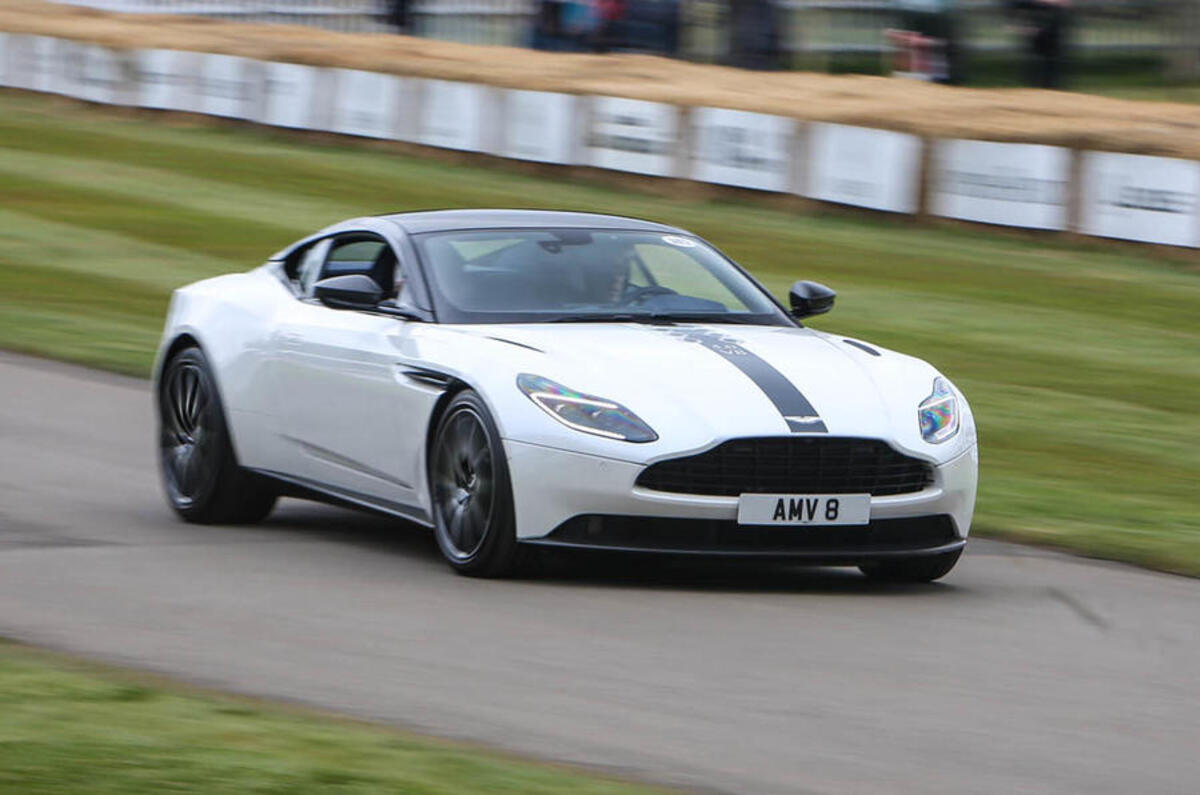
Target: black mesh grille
{"x": 791, "y": 465}
{"x": 711, "y": 535}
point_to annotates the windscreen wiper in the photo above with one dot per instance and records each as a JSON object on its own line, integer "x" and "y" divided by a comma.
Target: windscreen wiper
{"x": 655, "y": 320}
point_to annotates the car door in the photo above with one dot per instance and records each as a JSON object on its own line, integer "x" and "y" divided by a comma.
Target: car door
{"x": 345, "y": 414}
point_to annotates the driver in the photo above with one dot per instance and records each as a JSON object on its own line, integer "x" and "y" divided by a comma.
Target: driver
{"x": 606, "y": 279}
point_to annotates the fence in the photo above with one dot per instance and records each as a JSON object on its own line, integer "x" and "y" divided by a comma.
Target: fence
{"x": 469, "y": 21}
{"x": 1107, "y": 194}
{"x": 813, "y": 31}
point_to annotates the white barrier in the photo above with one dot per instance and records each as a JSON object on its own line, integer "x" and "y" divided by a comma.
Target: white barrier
{"x": 877, "y": 169}
{"x": 540, "y": 126}
{"x": 1134, "y": 197}
{"x": 454, "y": 115}
{"x": 1151, "y": 199}
{"x": 367, "y": 104}
{"x": 34, "y": 63}
{"x": 166, "y": 78}
{"x": 746, "y": 150}
{"x": 5, "y": 51}
{"x": 97, "y": 74}
{"x": 633, "y": 135}
{"x": 226, "y": 87}
{"x": 289, "y": 93}
{"x": 1009, "y": 184}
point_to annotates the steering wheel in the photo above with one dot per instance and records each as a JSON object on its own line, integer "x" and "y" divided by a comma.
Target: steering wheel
{"x": 635, "y": 295}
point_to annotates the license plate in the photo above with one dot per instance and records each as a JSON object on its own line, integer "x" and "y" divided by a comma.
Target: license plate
{"x": 804, "y": 509}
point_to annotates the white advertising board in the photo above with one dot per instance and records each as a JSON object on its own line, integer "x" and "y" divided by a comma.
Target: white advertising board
{"x": 878, "y": 169}
{"x": 288, "y": 94}
{"x": 539, "y": 126}
{"x": 225, "y": 87}
{"x": 35, "y": 63}
{"x": 453, "y": 115}
{"x": 367, "y": 104}
{"x": 96, "y": 73}
{"x": 747, "y": 150}
{"x": 48, "y": 63}
{"x": 1135, "y": 197}
{"x": 5, "y": 53}
{"x": 1008, "y": 184}
{"x": 166, "y": 79}
{"x": 633, "y": 135}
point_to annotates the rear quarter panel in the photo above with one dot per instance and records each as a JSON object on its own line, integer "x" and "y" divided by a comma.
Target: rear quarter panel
{"x": 231, "y": 319}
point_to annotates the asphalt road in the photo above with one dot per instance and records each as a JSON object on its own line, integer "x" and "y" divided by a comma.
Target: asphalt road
{"x": 1024, "y": 671}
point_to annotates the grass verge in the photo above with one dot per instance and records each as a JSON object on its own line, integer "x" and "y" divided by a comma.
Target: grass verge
{"x": 1082, "y": 359}
{"x": 73, "y": 727}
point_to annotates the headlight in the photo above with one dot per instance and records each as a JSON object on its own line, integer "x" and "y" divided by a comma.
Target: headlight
{"x": 586, "y": 413}
{"x": 938, "y": 413}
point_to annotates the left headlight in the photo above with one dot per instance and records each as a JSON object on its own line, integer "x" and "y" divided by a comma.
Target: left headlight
{"x": 938, "y": 413}
{"x": 586, "y": 413}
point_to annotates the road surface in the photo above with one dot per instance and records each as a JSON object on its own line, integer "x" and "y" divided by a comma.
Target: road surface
{"x": 1025, "y": 671}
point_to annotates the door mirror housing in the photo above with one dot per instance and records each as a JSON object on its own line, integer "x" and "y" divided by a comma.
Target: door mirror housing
{"x": 810, "y": 298}
{"x": 349, "y": 291}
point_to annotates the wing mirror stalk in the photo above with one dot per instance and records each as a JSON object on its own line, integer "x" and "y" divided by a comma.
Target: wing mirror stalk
{"x": 810, "y": 298}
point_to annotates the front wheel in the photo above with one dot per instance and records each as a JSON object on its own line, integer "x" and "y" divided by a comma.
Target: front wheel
{"x": 921, "y": 569}
{"x": 471, "y": 492}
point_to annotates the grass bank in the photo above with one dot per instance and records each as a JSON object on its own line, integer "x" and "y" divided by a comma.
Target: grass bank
{"x": 1082, "y": 360}
{"x": 72, "y": 727}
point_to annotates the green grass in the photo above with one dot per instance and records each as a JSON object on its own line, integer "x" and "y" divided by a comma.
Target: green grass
{"x": 69, "y": 727}
{"x": 1082, "y": 360}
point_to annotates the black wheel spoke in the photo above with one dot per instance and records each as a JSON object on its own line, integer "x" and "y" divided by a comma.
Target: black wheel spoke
{"x": 193, "y": 398}
{"x": 455, "y": 522}
{"x": 176, "y": 401}
{"x": 187, "y": 470}
{"x": 474, "y": 524}
{"x": 187, "y": 455}
{"x": 462, "y": 487}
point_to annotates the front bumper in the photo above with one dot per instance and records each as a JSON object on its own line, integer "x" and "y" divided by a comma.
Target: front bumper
{"x": 558, "y": 495}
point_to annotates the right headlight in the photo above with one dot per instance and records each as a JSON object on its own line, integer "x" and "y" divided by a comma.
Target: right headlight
{"x": 586, "y": 413}
{"x": 938, "y": 414}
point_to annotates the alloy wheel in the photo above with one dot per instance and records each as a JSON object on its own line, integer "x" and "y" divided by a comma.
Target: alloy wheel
{"x": 464, "y": 482}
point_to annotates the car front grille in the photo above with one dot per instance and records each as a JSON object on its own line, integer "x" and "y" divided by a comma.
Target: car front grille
{"x": 791, "y": 465}
{"x": 652, "y": 534}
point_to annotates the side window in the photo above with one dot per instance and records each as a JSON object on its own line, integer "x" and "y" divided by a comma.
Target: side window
{"x": 352, "y": 256}
{"x": 367, "y": 255}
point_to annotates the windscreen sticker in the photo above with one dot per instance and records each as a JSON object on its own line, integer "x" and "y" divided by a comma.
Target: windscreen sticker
{"x": 797, "y": 412}
{"x": 676, "y": 240}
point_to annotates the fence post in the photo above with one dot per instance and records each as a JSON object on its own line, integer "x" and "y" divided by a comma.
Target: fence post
{"x": 1183, "y": 31}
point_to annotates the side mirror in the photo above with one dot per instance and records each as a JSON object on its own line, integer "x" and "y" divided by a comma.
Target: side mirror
{"x": 350, "y": 291}
{"x": 810, "y": 298}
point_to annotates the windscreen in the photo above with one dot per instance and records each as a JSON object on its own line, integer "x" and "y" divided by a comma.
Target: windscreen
{"x": 580, "y": 275}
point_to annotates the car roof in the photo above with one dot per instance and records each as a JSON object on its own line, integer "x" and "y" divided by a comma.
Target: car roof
{"x": 458, "y": 220}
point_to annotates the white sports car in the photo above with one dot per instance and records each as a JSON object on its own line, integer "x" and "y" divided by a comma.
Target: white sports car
{"x": 525, "y": 378}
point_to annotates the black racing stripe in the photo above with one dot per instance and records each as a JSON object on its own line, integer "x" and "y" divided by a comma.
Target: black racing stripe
{"x": 862, "y": 347}
{"x": 799, "y": 414}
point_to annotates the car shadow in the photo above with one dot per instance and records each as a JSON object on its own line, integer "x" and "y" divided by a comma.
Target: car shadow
{"x": 583, "y": 568}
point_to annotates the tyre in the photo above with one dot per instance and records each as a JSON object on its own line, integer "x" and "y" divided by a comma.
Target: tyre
{"x": 200, "y": 473}
{"x": 471, "y": 492}
{"x": 918, "y": 569}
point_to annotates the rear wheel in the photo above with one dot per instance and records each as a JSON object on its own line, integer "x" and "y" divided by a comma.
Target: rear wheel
{"x": 200, "y": 474}
{"x": 922, "y": 569}
{"x": 471, "y": 491}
